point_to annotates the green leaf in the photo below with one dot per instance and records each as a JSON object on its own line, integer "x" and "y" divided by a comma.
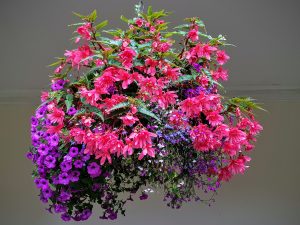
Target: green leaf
{"x": 149, "y": 11}
{"x": 79, "y": 15}
{"x": 76, "y": 24}
{"x": 120, "y": 105}
{"x": 57, "y": 62}
{"x": 245, "y": 103}
{"x": 147, "y": 112}
{"x": 185, "y": 78}
{"x": 92, "y": 17}
{"x": 118, "y": 32}
{"x": 69, "y": 101}
{"x": 97, "y": 112}
{"x": 124, "y": 19}
{"x": 101, "y": 25}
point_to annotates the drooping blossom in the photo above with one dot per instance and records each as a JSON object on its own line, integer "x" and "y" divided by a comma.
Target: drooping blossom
{"x": 85, "y": 31}
{"x": 77, "y": 57}
{"x": 141, "y": 138}
{"x": 222, "y": 57}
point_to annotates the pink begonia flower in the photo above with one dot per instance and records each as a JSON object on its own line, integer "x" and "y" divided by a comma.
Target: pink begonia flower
{"x": 148, "y": 84}
{"x": 220, "y": 73}
{"x": 57, "y": 116}
{"x": 203, "y": 80}
{"x": 224, "y": 174}
{"x": 236, "y": 136}
{"x": 84, "y": 31}
{"x": 139, "y": 22}
{"x": 118, "y": 147}
{"x": 171, "y": 73}
{"x": 58, "y": 69}
{"x": 142, "y": 138}
{"x": 78, "y": 134}
{"x": 238, "y": 165}
{"x": 54, "y": 129}
{"x": 193, "y": 35}
{"x": 203, "y": 139}
{"x": 176, "y": 118}
{"x": 164, "y": 99}
{"x": 105, "y": 81}
{"x": 44, "y": 96}
{"x": 127, "y": 78}
{"x": 76, "y": 57}
{"x": 151, "y": 63}
{"x": 108, "y": 103}
{"x": 152, "y": 29}
{"x": 221, "y": 131}
{"x": 90, "y": 96}
{"x": 204, "y": 50}
{"x": 126, "y": 57}
{"x": 129, "y": 119}
{"x": 222, "y": 57}
{"x": 190, "y": 107}
{"x": 87, "y": 121}
{"x": 128, "y": 150}
{"x": 231, "y": 149}
{"x": 147, "y": 150}
{"x": 214, "y": 118}
{"x": 161, "y": 46}
{"x": 255, "y": 128}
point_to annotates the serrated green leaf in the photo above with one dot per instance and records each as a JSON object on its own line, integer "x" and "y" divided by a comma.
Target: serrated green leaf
{"x": 97, "y": 112}
{"x": 120, "y": 105}
{"x": 147, "y": 112}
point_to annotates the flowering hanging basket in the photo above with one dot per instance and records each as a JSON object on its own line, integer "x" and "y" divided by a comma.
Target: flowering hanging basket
{"x": 128, "y": 113}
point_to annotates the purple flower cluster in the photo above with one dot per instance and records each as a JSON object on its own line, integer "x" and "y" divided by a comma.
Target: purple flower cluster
{"x": 58, "y": 168}
{"x": 58, "y": 85}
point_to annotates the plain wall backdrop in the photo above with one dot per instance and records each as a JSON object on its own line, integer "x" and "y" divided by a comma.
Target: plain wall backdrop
{"x": 264, "y": 65}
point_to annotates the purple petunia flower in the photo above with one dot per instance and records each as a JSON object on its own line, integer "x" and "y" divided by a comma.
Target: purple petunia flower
{"x": 54, "y": 140}
{"x": 66, "y": 165}
{"x": 74, "y": 175}
{"x": 78, "y": 164}
{"x": 63, "y": 178}
{"x": 86, "y": 158}
{"x": 64, "y": 196}
{"x": 144, "y": 196}
{"x": 94, "y": 170}
{"x": 41, "y": 112}
{"x": 65, "y": 217}
{"x": 73, "y": 151}
{"x": 59, "y": 208}
{"x": 58, "y": 85}
{"x": 44, "y": 184}
{"x": 72, "y": 111}
{"x": 47, "y": 193}
{"x": 50, "y": 161}
{"x": 86, "y": 214}
{"x": 43, "y": 149}
{"x": 34, "y": 121}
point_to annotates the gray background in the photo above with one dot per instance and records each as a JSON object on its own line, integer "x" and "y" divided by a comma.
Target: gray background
{"x": 265, "y": 66}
